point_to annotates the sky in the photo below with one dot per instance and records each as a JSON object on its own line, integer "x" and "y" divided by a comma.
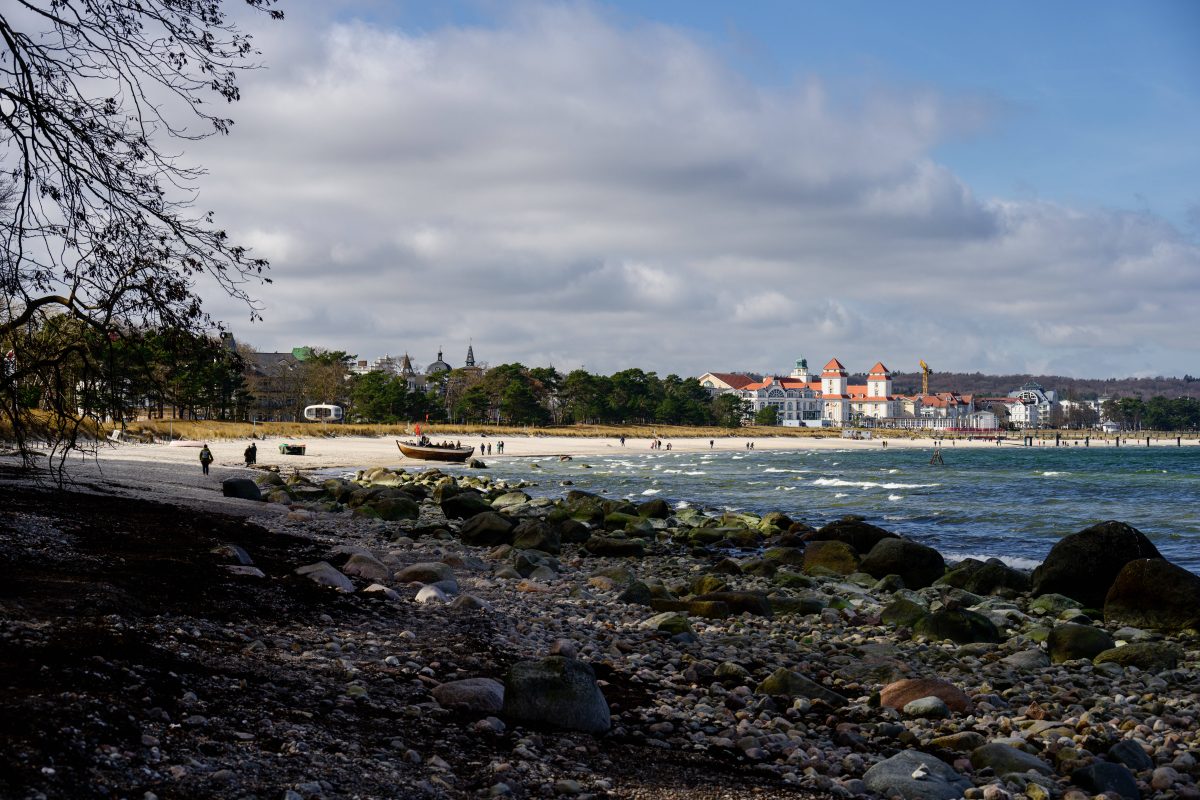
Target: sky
{"x": 689, "y": 186}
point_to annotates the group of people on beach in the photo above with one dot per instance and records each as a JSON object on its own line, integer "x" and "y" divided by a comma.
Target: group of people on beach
{"x": 206, "y": 457}
{"x": 657, "y": 444}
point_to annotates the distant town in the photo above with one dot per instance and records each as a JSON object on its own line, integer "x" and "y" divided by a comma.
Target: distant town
{"x": 279, "y": 386}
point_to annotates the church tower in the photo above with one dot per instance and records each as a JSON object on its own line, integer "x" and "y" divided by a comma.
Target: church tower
{"x": 800, "y": 373}
{"x": 470, "y": 355}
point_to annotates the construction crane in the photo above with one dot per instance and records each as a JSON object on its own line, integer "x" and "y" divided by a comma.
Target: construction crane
{"x": 925, "y": 370}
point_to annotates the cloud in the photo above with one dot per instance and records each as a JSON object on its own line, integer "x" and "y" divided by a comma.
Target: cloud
{"x": 559, "y": 184}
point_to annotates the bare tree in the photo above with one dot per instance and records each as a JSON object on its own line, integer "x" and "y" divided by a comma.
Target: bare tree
{"x": 99, "y": 224}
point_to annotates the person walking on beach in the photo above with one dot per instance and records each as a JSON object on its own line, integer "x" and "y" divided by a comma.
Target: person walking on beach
{"x": 710, "y": 444}
{"x": 206, "y": 458}
{"x": 251, "y": 454}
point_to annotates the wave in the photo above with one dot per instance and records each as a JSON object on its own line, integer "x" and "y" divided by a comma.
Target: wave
{"x": 872, "y": 484}
{"x": 841, "y": 494}
{"x": 652, "y": 491}
{"x": 1052, "y": 474}
{"x": 778, "y": 469}
{"x": 895, "y": 497}
{"x": 1017, "y": 562}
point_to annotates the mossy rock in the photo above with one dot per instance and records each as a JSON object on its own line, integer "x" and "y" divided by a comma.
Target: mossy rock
{"x": 834, "y": 556}
{"x": 903, "y": 613}
{"x": 708, "y": 583}
{"x": 958, "y": 625}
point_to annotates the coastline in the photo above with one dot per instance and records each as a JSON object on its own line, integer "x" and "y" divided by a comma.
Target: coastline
{"x": 709, "y": 688}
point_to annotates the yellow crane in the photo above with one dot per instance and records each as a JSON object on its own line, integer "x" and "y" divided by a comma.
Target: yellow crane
{"x": 925, "y": 370}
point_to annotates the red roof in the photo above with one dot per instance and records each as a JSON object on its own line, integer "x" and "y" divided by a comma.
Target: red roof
{"x": 879, "y": 369}
{"x": 835, "y": 365}
{"x": 735, "y": 379}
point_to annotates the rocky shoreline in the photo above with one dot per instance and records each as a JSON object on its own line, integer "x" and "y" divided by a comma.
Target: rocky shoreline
{"x": 451, "y": 636}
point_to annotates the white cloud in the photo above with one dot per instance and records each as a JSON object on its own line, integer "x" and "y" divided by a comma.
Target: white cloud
{"x": 615, "y": 194}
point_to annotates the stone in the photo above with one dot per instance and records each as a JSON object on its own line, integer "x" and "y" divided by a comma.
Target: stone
{"x": 835, "y": 556}
{"x": 985, "y": 577}
{"x": 958, "y": 625}
{"x": 903, "y": 612}
{"x": 961, "y": 742}
{"x": 1131, "y": 754}
{"x": 241, "y": 488}
{"x": 235, "y": 552}
{"x": 913, "y": 775}
{"x": 615, "y": 547}
{"x": 748, "y": 602}
{"x": 636, "y": 593}
{"x": 425, "y": 572}
{"x": 917, "y": 565}
{"x": 1104, "y": 776}
{"x": 366, "y": 566}
{"x": 514, "y": 498}
{"x": 536, "y": 534}
{"x": 395, "y": 507}
{"x": 900, "y": 693}
{"x": 860, "y": 535}
{"x": 1069, "y": 642}
{"x": 431, "y": 594}
{"x": 1084, "y": 565}
{"x": 557, "y": 692}
{"x": 656, "y": 508}
{"x": 927, "y": 708}
{"x": 1149, "y": 656}
{"x": 483, "y": 695}
{"x": 245, "y": 571}
{"x": 792, "y": 684}
{"x": 325, "y": 574}
{"x": 469, "y": 601}
{"x": 1026, "y": 659}
{"x": 1004, "y": 759}
{"x": 793, "y": 556}
{"x": 1155, "y": 594}
{"x": 667, "y": 622}
{"x": 485, "y": 529}
{"x": 465, "y": 505}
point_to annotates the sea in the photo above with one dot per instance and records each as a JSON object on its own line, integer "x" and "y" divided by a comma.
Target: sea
{"x": 1009, "y": 502}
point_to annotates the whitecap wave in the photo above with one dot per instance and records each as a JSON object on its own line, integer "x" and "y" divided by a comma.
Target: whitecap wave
{"x": 872, "y": 484}
{"x": 841, "y": 494}
{"x": 1051, "y": 473}
{"x": 1017, "y": 562}
{"x": 780, "y": 469}
{"x": 652, "y": 491}
{"x": 895, "y": 497}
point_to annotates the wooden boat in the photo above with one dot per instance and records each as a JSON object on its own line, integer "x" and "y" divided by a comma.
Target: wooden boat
{"x": 432, "y": 452}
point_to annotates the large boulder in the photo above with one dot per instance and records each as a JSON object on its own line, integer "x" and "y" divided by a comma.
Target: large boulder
{"x": 323, "y": 573}
{"x": 395, "y": 507}
{"x": 900, "y": 693}
{"x": 755, "y": 603}
{"x": 1070, "y": 641}
{"x": 557, "y": 692}
{"x": 242, "y": 488}
{"x": 860, "y": 535}
{"x": 1149, "y": 656}
{"x": 656, "y": 508}
{"x": 425, "y": 572}
{"x": 958, "y": 625}
{"x": 1156, "y": 594}
{"x": 1005, "y": 759}
{"x": 917, "y": 565}
{"x": 985, "y": 577}
{"x": 488, "y": 528}
{"x": 832, "y": 555}
{"x": 536, "y": 534}
{"x": 792, "y": 684}
{"x": 465, "y": 505}
{"x": 1084, "y": 565}
{"x": 483, "y": 695}
{"x": 365, "y": 565}
{"x": 1105, "y": 777}
{"x": 914, "y": 775}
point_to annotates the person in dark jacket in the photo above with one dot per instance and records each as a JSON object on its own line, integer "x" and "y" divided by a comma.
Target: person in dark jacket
{"x": 206, "y": 458}
{"x": 251, "y": 454}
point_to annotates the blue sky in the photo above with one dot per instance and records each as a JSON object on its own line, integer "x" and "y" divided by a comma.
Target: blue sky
{"x": 687, "y": 186}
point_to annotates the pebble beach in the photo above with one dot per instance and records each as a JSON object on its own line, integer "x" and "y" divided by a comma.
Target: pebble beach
{"x": 563, "y": 646}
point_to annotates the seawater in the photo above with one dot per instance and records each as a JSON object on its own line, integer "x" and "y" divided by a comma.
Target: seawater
{"x": 1012, "y": 503}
